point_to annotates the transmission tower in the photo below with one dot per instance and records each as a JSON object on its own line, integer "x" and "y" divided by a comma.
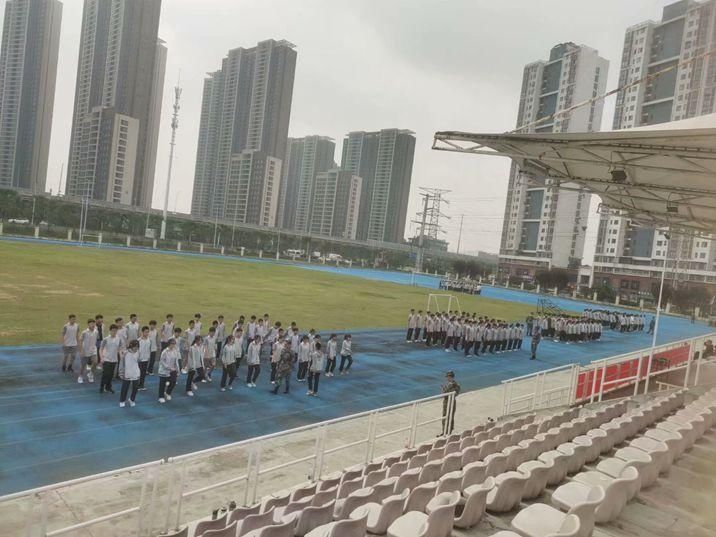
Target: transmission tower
{"x": 172, "y": 143}
{"x": 429, "y": 219}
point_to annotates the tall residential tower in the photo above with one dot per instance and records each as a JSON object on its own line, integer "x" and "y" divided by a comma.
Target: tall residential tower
{"x": 545, "y": 226}
{"x": 120, "y": 76}
{"x": 630, "y": 257}
{"x": 28, "y": 69}
{"x": 384, "y": 162}
{"x": 245, "y": 112}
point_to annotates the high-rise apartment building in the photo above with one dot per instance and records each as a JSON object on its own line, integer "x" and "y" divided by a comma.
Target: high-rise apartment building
{"x": 252, "y": 188}
{"x": 120, "y": 76}
{"x": 384, "y": 162}
{"x": 545, "y": 226}
{"x": 246, "y": 107}
{"x": 336, "y": 204}
{"x": 28, "y": 69}
{"x": 630, "y": 257}
{"x": 305, "y": 158}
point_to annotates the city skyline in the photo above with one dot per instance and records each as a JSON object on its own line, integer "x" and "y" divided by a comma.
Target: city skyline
{"x": 434, "y": 91}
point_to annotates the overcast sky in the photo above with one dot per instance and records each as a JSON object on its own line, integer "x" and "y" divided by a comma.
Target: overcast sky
{"x": 424, "y": 65}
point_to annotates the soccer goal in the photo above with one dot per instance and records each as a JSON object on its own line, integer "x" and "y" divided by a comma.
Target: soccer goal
{"x": 445, "y": 300}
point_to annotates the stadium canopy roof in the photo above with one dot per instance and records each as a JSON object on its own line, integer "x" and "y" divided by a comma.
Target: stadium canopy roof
{"x": 662, "y": 175}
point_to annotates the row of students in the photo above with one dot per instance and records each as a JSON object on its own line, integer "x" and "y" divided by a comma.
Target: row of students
{"x": 473, "y": 334}
{"x": 617, "y": 320}
{"x": 463, "y": 286}
{"x": 196, "y": 356}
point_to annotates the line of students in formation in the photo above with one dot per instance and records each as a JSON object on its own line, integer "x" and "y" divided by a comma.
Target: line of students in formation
{"x": 463, "y": 286}
{"x": 586, "y": 327}
{"x": 473, "y": 334}
{"x": 130, "y": 352}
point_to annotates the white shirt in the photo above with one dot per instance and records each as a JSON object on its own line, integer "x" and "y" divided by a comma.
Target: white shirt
{"x": 110, "y": 348}
{"x": 89, "y": 343}
{"x": 145, "y": 348}
{"x": 254, "y": 353}
{"x": 152, "y": 340}
{"x": 69, "y": 335}
{"x": 167, "y": 331}
{"x": 304, "y": 349}
{"x": 132, "y": 331}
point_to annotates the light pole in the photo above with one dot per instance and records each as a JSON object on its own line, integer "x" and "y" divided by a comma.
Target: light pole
{"x": 172, "y": 143}
{"x": 658, "y": 311}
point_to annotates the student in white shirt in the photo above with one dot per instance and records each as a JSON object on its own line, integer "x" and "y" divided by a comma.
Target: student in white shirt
{"x": 314, "y": 374}
{"x": 331, "y": 354}
{"x": 346, "y": 355}
{"x": 190, "y": 333}
{"x": 253, "y": 359}
{"x": 194, "y": 366}
{"x": 251, "y": 328}
{"x": 209, "y": 352}
{"x": 167, "y": 331}
{"x": 197, "y": 324}
{"x": 168, "y": 368}
{"x": 295, "y": 342}
{"x": 88, "y": 352}
{"x": 419, "y": 324}
{"x": 304, "y": 352}
{"x": 220, "y": 334}
{"x": 129, "y": 372}
{"x": 239, "y": 342}
{"x": 154, "y": 346}
{"x": 68, "y": 340}
{"x": 412, "y": 322}
{"x": 122, "y": 335}
{"x": 109, "y": 355}
{"x": 133, "y": 327}
{"x": 276, "y": 348}
{"x": 145, "y": 353}
{"x": 229, "y": 357}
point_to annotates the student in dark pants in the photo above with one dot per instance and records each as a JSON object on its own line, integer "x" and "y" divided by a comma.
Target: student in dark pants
{"x": 304, "y": 358}
{"x": 284, "y": 368}
{"x": 346, "y": 355}
{"x": 229, "y": 353}
{"x": 536, "y": 338}
{"x": 129, "y": 372}
{"x": 168, "y": 368}
{"x": 253, "y": 358}
{"x": 331, "y": 354}
{"x": 314, "y": 374}
{"x": 109, "y": 353}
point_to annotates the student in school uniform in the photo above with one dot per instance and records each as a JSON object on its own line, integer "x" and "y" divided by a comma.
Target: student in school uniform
{"x": 168, "y": 370}
{"x": 197, "y": 324}
{"x": 314, "y": 374}
{"x": 109, "y": 356}
{"x": 449, "y": 331}
{"x": 428, "y": 330}
{"x": 195, "y": 365}
{"x": 284, "y": 368}
{"x": 167, "y": 331}
{"x": 419, "y": 325}
{"x": 153, "y": 346}
{"x": 251, "y": 328}
{"x": 457, "y": 336}
{"x": 411, "y": 327}
{"x": 145, "y": 351}
{"x": 209, "y": 353}
{"x": 68, "y": 340}
{"x": 88, "y": 352}
{"x": 331, "y": 354}
{"x": 304, "y": 352}
{"x": 220, "y": 334}
{"x": 276, "y": 348}
{"x": 190, "y": 333}
{"x": 133, "y": 328}
{"x": 346, "y": 355}
{"x": 99, "y": 326}
{"x": 253, "y": 359}
{"x": 129, "y": 372}
{"x": 295, "y": 342}
{"x": 122, "y": 335}
{"x": 239, "y": 343}
{"x": 228, "y": 362}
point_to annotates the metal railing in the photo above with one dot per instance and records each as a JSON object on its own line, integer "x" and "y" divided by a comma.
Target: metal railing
{"x": 154, "y": 497}
{"x": 574, "y": 383}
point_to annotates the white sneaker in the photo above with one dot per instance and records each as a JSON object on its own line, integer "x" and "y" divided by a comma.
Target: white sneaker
{"x": 162, "y": 400}
{"x": 203, "y": 381}
{"x": 253, "y": 384}
{"x": 223, "y": 389}
{"x": 231, "y": 387}
{"x": 190, "y": 393}
{"x": 132, "y": 403}
{"x": 248, "y": 385}
{"x": 209, "y": 379}
{"x": 273, "y": 383}
{"x": 168, "y": 397}
{"x": 121, "y": 405}
{"x": 80, "y": 380}
{"x": 309, "y": 393}
{"x": 90, "y": 377}
{"x": 193, "y": 386}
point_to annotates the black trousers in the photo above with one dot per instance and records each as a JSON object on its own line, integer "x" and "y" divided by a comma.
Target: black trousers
{"x": 189, "y": 379}
{"x": 448, "y": 427}
{"x": 485, "y": 344}
{"x": 302, "y": 370}
{"x": 142, "y": 373}
{"x": 125, "y": 389}
{"x": 330, "y": 365}
{"x": 468, "y": 347}
{"x": 416, "y": 334}
{"x": 107, "y": 376}
{"x": 448, "y": 342}
{"x": 346, "y": 358}
{"x": 428, "y": 339}
{"x": 313, "y": 378}
{"x": 167, "y": 388}
{"x": 409, "y": 336}
{"x": 519, "y": 343}
{"x": 273, "y": 371}
{"x": 230, "y": 373}
{"x": 253, "y": 373}
{"x": 152, "y": 359}
{"x": 455, "y": 342}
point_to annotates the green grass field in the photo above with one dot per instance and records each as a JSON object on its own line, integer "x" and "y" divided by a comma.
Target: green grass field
{"x": 40, "y": 284}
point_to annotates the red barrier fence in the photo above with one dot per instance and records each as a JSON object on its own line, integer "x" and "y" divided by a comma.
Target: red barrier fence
{"x": 623, "y": 373}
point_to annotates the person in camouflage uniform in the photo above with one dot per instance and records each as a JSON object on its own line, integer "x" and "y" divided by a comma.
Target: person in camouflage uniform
{"x": 284, "y": 367}
{"x": 451, "y": 385}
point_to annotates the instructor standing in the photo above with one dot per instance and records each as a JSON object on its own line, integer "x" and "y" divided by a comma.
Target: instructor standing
{"x": 450, "y": 385}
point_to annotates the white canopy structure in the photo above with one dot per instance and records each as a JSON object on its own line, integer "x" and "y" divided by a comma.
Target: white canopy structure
{"x": 662, "y": 175}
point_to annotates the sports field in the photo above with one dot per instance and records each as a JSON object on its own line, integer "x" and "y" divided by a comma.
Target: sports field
{"x": 41, "y": 283}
